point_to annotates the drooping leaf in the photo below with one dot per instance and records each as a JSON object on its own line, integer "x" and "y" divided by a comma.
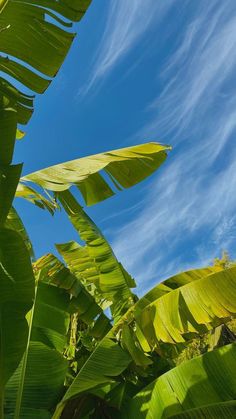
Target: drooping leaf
{"x": 111, "y": 280}
{"x": 125, "y": 167}
{"x": 204, "y": 382}
{"x": 36, "y": 198}
{"x": 12, "y": 98}
{"x": 41, "y": 46}
{"x": 174, "y": 282}
{"x": 81, "y": 302}
{"x": 192, "y": 308}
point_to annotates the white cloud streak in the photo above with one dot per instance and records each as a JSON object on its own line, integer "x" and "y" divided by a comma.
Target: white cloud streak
{"x": 127, "y": 21}
{"x": 188, "y": 213}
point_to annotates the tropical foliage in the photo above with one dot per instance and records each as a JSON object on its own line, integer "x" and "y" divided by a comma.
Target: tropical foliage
{"x": 75, "y": 340}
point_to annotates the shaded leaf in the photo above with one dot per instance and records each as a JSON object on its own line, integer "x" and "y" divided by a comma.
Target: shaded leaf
{"x": 9, "y": 178}
{"x": 106, "y": 362}
{"x": 44, "y": 377}
{"x": 204, "y": 381}
{"x": 8, "y": 119}
{"x": 37, "y": 384}
{"x": 16, "y": 298}
{"x": 226, "y": 410}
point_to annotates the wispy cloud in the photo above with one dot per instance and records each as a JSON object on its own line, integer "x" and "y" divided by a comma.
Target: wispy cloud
{"x": 126, "y": 23}
{"x": 188, "y": 214}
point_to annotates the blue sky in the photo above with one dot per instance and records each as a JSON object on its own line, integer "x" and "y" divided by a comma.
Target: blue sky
{"x": 159, "y": 70}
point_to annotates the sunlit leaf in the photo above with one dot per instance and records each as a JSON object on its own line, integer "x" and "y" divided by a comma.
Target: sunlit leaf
{"x": 192, "y": 308}
{"x": 100, "y": 265}
{"x": 205, "y": 382}
{"x": 125, "y": 168}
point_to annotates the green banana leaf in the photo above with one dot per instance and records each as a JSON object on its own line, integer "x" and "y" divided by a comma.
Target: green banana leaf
{"x": 78, "y": 260}
{"x": 131, "y": 344}
{"x": 225, "y": 410}
{"x": 174, "y": 282}
{"x": 9, "y": 178}
{"x": 125, "y": 168}
{"x": 161, "y": 289}
{"x": 157, "y": 292}
{"x": 14, "y": 222}
{"x": 38, "y": 381}
{"x": 205, "y": 382}
{"x": 129, "y": 338}
{"x": 40, "y": 47}
{"x": 108, "y": 275}
{"x": 36, "y": 198}
{"x": 29, "y": 413}
{"x": 16, "y": 299}
{"x": 8, "y": 132}
{"x": 106, "y": 363}
{"x": 194, "y": 308}
{"x": 81, "y": 302}
{"x": 43, "y": 382}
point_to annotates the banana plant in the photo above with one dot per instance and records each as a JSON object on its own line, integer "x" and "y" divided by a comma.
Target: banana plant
{"x": 61, "y": 355}
{"x": 40, "y": 47}
{"x": 148, "y": 336}
{"x": 134, "y": 351}
{"x": 36, "y": 385}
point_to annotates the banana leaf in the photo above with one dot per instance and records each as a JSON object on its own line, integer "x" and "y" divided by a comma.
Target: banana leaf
{"x": 14, "y": 222}
{"x": 225, "y": 410}
{"x": 174, "y": 282}
{"x": 125, "y": 168}
{"x": 106, "y": 363}
{"x": 205, "y": 385}
{"x": 81, "y": 302}
{"x": 38, "y": 382}
{"x": 40, "y": 48}
{"x": 42, "y": 386}
{"x": 16, "y": 299}
{"x": 100, "y": 266}
{"x": 9, "y": 178}
{"x": 193, "y": 308}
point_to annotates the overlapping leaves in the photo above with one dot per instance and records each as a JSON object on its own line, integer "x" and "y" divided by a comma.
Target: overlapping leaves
{"x": 40, "y": 47}
{"x": 201, "y": 388}
{"x": 194, "y": 308}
